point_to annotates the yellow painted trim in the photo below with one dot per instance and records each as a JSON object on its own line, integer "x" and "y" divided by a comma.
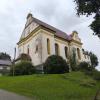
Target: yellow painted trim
{"x": 58, "y": 49}
{"x": 24, "y": 39}
{"x": 47, "y": 33}
{"x": 48, "y": 46}
{"x": 48, "y": 30}
{"x": 61, "y": 41}
{"x": 76, "y": 42}
{"x": 33, "y": 32}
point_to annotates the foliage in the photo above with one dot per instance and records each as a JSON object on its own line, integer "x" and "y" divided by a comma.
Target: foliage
{"x": 4, "y": 56}
{"x": 73, "y": 60}
{"x": 96, "y": 75}
{"x": 54, "y": 86}
{"x": 94, "y": 60}
{"x": 55, "y": 65}
{"x": 83, "y": 66}
{"x": 95, "y": 26}
{"x": 86, "y": 68}
{"x": 24, "y": 57}
{"x": 89, "y": 7}
{"x": 4, "y": 71}
{"x": 23, "y": 68}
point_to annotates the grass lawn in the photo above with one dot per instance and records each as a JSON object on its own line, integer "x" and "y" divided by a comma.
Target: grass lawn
{"x": 69, "y": 86}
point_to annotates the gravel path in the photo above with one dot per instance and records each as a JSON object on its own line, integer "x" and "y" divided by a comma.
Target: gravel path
{"x": 5, "y": 95}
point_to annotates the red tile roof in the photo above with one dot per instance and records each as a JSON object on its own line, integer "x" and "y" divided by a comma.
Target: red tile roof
{"x": 58, "y": 32}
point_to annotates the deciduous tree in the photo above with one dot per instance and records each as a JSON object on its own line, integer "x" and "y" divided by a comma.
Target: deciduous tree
{"x": 90, "y": 7}
{"x": 4, "y": 56}
{"x": 94, "y": 60}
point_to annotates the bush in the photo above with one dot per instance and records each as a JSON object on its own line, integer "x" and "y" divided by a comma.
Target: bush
{"x": 84, "y": 66}
{"x": 55, "y": 65}
{"x": 23, "y": 57}
{"x": 23, "y": 68}
{"x": 73, "y": 60}
{"x": 96, "y": 75}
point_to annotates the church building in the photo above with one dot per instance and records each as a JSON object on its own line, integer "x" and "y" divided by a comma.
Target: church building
{"x": 40, "y": 40}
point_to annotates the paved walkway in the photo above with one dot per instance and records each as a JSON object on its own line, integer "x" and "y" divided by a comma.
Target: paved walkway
{"x": 5, "y": 95}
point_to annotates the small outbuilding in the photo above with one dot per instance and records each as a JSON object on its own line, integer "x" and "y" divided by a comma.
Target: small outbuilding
{"x": 5, "y": 66}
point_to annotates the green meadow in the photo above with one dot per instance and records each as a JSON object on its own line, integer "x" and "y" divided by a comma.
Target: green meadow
{"x": 69, "y": 86}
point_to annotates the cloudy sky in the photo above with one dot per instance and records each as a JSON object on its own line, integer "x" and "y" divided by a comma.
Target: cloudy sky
{"x": 58, "y": 13}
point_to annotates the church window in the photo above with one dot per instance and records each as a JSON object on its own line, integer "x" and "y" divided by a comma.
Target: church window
{"x": 66, "y": 52}
{"x": 36, "y": 50}
{"x": 28, "y": 50}
{"x": 48, "y": 46}
{"x": 57, "y": 49}
{"x": 78, "y": 53}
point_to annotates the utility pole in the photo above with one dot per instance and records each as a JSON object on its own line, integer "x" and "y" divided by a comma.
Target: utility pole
{"x": 14, "y": 60}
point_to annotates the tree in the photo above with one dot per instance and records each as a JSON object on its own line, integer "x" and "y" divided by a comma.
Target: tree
{"x": 90, "y": 7}
{"x": 55, "y": 65}
{"x": 4, "y": 56}
{"x": 73, "y": 60}
{"x": 83, "y": 66}
{"x": 94, "y": 60}
{"x": 96, "y": 75}
{"x": 23, "y": 57}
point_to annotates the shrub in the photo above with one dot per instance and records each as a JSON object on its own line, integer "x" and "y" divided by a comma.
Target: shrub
{"x": 96, "y": 75}
{"x": 73, "y": 60}
{"x": 55, "y": 65}
{"x": 94, "y": 60}
{"x": 23, "y": 57}
{"x": 84, "y": 66}
{"x": 23, "y": 68}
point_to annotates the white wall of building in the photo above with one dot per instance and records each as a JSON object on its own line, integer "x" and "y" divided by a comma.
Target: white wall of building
{"x": 47, "y": 35}
{"x": 31, "y": 44}
{"x": 39, "y": 40}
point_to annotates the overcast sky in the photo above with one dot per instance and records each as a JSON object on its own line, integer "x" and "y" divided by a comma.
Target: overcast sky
{"x": 58, "y": 13}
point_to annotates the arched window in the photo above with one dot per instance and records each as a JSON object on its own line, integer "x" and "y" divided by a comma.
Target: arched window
{"x": 78, "y": 52}
{"x": 66, "y": 52}
{"x": 28, "y": 50}
{"x": 36, "y": 50}
{"x": 56, "y": 49}
{"x": 48, "y": 46}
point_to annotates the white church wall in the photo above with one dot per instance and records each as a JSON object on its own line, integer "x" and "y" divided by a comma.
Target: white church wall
{"x": 31, "y": 43}
{"x": 62, "y": 44}
{"x": 47, "y": 35}
{"x": 37, "y": 43}
{"x": 83, "y": 58}
{"x": 29, "y": 29}
{"x": 74, "y": 45}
